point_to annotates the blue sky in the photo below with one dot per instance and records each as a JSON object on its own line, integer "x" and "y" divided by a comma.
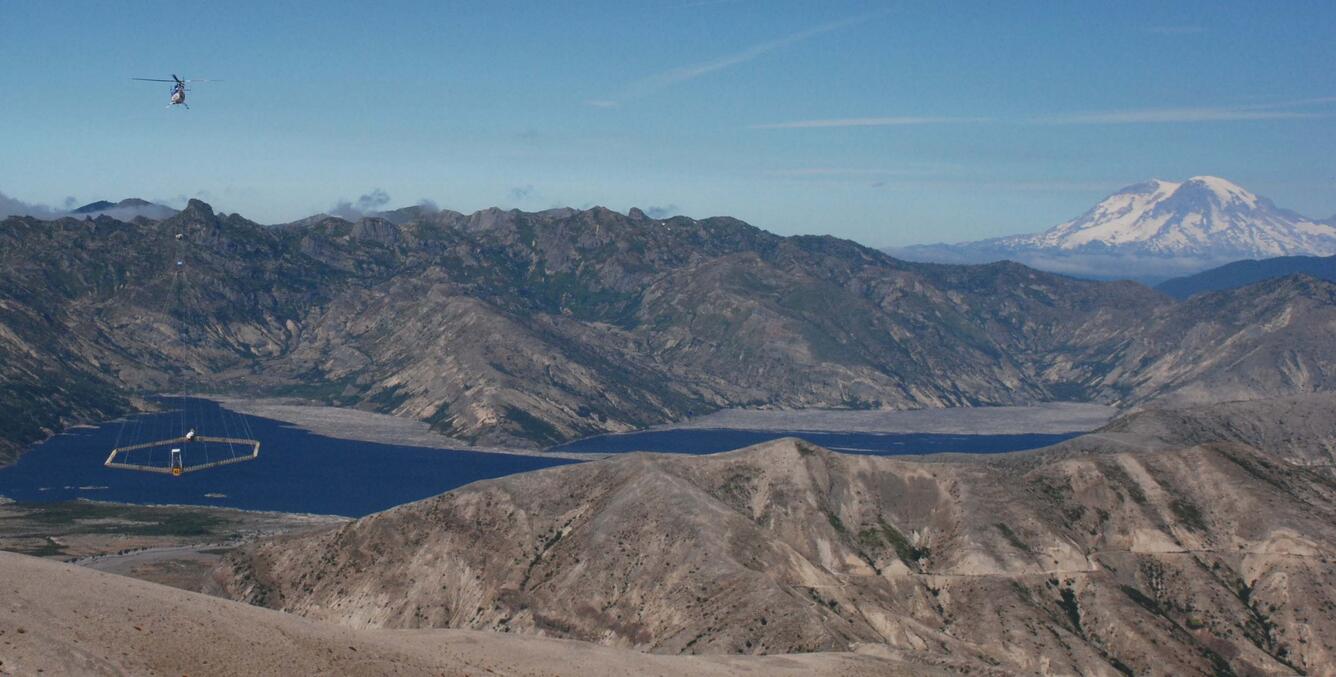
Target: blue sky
{"x": 889, "y": 123}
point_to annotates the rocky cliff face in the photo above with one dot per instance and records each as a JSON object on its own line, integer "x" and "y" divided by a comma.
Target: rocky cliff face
{"x": 534, "y": 328}
{"x": 1116, "y": 552}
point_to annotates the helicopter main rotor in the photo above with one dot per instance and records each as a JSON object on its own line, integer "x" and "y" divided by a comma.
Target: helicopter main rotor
{"x": 175, "y": 79}
{"x": 179, "y": 88}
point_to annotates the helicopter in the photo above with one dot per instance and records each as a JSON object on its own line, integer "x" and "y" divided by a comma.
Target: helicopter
{"x": 178, "y": 89}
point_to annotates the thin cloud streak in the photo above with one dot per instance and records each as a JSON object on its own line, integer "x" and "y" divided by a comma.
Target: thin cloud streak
{"x": 1277, "y": 110}
{"x": 838, "y": 171}
{"x": 894, "y": 121}
{"x": 1040, "y": 186}
{"x": 704, "y": 3}
{"x": 1294, "y": 103}
{"x": 1176, "y": 30}
{"x": 655, "y": 83}
{"x": 1172, "y": 115}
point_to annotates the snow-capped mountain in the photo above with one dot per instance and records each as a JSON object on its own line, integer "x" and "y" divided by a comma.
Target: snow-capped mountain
{"x": 1153, "y": 229}
{"x": 1203, "y": 216}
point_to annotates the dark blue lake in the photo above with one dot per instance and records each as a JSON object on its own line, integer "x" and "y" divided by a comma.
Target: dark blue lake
{"x": 710, "y": 440}
{"x": 296, "y": 471}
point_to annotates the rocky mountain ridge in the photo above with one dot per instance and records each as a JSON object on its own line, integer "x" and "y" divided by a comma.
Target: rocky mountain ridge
{"x": 507, "y": 327}
{"x": 1240, "y": 273}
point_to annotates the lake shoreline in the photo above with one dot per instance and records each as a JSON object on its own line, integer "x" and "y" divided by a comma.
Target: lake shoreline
{"x": 365, "y": 426}
{"x": 296, "y": 471}
{"x": 1047, "y": 418}
{"x": 1043, "y": 418}
{"x": 331, "y": 461}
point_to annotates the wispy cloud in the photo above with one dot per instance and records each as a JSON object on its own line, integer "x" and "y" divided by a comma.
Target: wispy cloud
{"x": 704, "y": 3}
{"x": 1169, "y": 115}
{"x": 660, "y": 81}
{"x": 1293, "y": 103}
{"x": 1055, "y": 186}
{"x": 999, "y": 186}
{"x": 804, "y": 172}
{"x": 663, "y": 211}
{"x": 893, "y": 121}
{"x": 1296, "y": 109}
{"x": 1272, "y": 110}
{"x": 1176, "y": 30}
{"x": 10, "y": 206}
{"x": 366, "y": 205}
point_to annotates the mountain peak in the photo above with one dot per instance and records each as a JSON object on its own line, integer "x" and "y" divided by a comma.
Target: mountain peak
{"x": 93, "y": 207}
{"x": 1217, "y": 183}
{"x": 125, "y": 210}
{"x": 1155, "y": 230}
{"x": 198, "y": 207}
{"x": 1150, "y": 188}
{"x": 195, "y": 211}
{"x": 1204, "y": 216}
{"x": 1223, "y": 191}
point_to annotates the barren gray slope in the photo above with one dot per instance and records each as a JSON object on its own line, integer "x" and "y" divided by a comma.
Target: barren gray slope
{"x": 1111, "y": 552}
{"x": 67, "y": 620}
{"x": 1299, "y": 429}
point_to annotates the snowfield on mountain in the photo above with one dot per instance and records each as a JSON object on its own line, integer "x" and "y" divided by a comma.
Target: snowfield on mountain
{"x": 1154, "y": 230}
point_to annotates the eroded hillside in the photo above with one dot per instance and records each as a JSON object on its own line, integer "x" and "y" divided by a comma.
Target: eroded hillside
{"x": 1114, "y": 552}
{"x": 68, "y": 620}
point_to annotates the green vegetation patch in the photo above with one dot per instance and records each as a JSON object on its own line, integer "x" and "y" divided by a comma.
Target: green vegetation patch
{"x": 318, "y": 389}
{"x": 534, "y": 428}
{"x": 1115, "y": 473}
{"x": 1144, "y": 601}
{"x": 1188, "y": 513}
{"x": 107, "y": 518}
{"x": 1072, "y": 608}
{"x": 883, "y": 535}
{"x": 1012, "y": 537}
